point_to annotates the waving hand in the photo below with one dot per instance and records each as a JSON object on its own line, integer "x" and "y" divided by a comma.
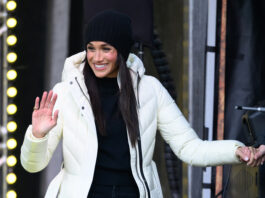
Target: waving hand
{"x": 42, "y": 119}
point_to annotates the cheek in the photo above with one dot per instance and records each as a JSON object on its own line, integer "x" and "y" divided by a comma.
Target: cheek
{"x": 112, "y": 57}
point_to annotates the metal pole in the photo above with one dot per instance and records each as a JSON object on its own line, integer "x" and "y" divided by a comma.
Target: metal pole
{"x": 4, "y": 96}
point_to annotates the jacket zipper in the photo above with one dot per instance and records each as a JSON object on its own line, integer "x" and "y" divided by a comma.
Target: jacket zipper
{"x": 140, "y": 144}
{"x": 138, "y": 139}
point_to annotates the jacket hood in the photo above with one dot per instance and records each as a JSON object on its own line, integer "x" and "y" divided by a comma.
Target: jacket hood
{"x": 74, "y": 66}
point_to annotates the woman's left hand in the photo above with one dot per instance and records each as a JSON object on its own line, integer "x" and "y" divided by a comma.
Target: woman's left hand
{"x": 247, "y": 155}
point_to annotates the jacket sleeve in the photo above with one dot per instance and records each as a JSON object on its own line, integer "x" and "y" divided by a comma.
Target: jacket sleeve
{"x": 37, "y": 152}
{"x": 183, "y": 140}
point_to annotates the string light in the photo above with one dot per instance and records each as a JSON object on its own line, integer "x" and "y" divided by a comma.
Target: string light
{"x": 11, "y": 92}
{"x": 11, "y": 74}
{"x": 11, "y": 143}
{"x": 11, "y": 5}
{"x": 11, "y": 57}
{"x": 11, "y": 126}
{"x": 11, "y": 178}
{"x": 11, "y": 194}
{"x": 11, "y": 109}
{"x": 11, "y": 22}
{"x": 11, "y": 40}
{"x": 11, "y": 161}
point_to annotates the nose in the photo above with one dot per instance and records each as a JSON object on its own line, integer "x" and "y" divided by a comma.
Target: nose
{"x": 98, "y": 56}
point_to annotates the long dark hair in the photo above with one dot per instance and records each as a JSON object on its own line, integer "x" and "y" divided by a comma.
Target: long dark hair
{"x": 127, "y": 99}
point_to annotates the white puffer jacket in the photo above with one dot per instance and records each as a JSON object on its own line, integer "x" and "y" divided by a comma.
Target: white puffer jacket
{"x": 76, "y": 128}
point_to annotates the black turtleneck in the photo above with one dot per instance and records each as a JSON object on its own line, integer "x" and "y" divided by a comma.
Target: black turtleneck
{"x": 113, "y": 159}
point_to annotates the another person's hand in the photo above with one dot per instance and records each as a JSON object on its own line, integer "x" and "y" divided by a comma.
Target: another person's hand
{"x": 42, "y": 119}
{"x": 260, "y": 154}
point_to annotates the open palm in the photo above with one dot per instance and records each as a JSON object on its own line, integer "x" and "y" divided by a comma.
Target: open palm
{"x": 42, "y": 119}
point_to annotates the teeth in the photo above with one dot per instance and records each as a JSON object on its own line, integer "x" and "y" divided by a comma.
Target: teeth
{"x": 99, "y": 66}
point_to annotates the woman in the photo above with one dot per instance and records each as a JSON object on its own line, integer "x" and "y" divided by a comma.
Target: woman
{"x": 107, "y": 113}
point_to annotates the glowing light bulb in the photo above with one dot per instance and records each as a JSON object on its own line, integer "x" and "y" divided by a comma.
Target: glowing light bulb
{"x": 11, "y": 40}
{"x": 11, "y": 92}
{"x": 11, "y": 178}
{"x": 11, "y": 143}
{"x": 11, "y": 161}
{"x": 11, "y": 126}
{"x": 11, "y": 5}
{"x": 11, "y": 109}
{"x": 11, "y": 194}
{"x": 11, "y": 22}
{"x": 11, "y": 57}
{"x": 11, "y": 74}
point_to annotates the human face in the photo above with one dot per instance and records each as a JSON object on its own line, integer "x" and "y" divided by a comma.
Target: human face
{"x": 102, "y": 58}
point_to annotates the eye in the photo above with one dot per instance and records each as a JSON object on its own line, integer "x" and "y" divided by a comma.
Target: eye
{"x": 106, "y": 49}
{"x": 90, "y": 48}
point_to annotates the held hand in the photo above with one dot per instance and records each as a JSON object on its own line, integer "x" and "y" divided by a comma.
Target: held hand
{"x": 260, "y": 154}
{"x": 42, "y": 119}
{"x": 243, "y": 153}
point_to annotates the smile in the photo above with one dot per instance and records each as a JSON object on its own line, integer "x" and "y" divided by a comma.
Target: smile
{"x": 100, "y": 66}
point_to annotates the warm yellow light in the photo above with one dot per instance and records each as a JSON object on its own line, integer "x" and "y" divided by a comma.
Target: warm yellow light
{"x": 11, "y": 194}
{"x": 11, "y": 74}
{"x": 11, "y": 57}
{"x": 11, "y": 126}
{"x": 11, "y": 92}
{"x": 11, "y": 161}
{"x": 11, "y": 5}
{"x": 11, "y": 143}
{"x": 11, "y": 22}
{"x": 11, "y": 109}
{"x": 11, "y": 40}
{"x": 11, "y": 178}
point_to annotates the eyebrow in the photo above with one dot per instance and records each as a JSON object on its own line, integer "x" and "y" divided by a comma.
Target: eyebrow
{"x": 103, "y": 45}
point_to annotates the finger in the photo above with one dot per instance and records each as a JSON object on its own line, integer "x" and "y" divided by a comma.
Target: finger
{"x": 258, "y": 154}
{"x": 247, "y": 151}
{"x": 43, "y": 99}
{"x": 252, "y": 160}
{"x": 47, "y": 102}
{"x": 262, "y": 160}
{"x": 53, "y": 101}
{"x": 241, "y": 155}
{"x": 36, "y": 105}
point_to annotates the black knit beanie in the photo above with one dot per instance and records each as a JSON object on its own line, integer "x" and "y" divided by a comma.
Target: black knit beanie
{"x": 113, "y": 28}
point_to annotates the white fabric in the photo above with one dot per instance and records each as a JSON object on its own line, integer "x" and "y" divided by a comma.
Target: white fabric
{"x": 77, "y": 129}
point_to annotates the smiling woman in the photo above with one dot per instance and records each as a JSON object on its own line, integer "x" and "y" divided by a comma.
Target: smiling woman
{"x": 102, "y": 58}
{"x": 108, "y": 112}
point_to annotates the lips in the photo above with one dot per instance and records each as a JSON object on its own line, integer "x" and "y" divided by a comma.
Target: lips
{"x": 100, "y": 67}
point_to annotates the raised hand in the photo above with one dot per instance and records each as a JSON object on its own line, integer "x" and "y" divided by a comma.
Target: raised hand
{"x": 42, "y": 119}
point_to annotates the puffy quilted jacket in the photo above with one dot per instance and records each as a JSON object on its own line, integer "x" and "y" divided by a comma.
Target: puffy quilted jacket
{"x": 76, "y": 128}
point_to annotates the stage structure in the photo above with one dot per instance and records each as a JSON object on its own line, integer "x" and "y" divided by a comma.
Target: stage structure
{"x": 8, "y": 125}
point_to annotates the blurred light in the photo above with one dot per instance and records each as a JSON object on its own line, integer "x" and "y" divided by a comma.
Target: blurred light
{"x": 11, "y": 161}
{"x": 11, "y": 22}
{"x": 11, "y": 40}
{"x": 11, "y": 5}
{"x": 11, "y": 178}
{"x": 11, "y": 143}
{"x": 11, "y": 194}
{"x": 11, "y": 126}
{"x": 11, "y": 92}
{"x": 11, "y": 57}
{"x": 11, "y": 74}
{"x": 11, "y": 109}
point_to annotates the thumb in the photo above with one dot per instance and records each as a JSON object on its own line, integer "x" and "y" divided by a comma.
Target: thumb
{"x": 55, "y": 116}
